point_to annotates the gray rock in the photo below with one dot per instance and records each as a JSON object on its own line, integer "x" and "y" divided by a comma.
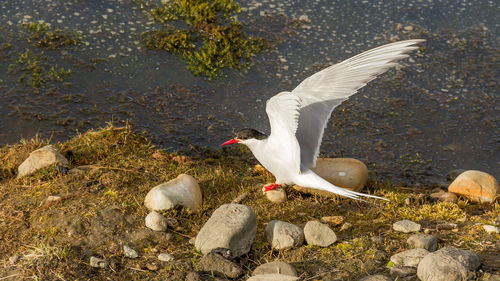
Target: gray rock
{"x": 98, "y": 262}
{"x": 220, "y": 266}
{"x": 231, "y": 226}
{"x": 166, "y": 257}
{"x": 377, "y": 277}
{"x": 402, "y": 271}
{"x": 448, "y": 263}
{"x": 156, "y": 221}
{"x": 272, "y": 277}
{"x": 193, "y": 276}
{"x": 283, "y": 235}
{"x": 129, "y": 252}
{"x": 41, "y": 158}
{"x": 275, "y": 267}
{"x": 491, "y": 229}
{"x": 409, "y": 258}
{"x": 424, "y": 241}
{"x": 406, "y": 226}
{"x": 346, "y": 226}
{"x": 183, "y": 190}
{"x": 444, "y": 196}
{"x": 319, "y": 234}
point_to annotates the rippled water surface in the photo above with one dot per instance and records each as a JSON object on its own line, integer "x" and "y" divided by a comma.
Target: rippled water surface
{"x": 437, "y": 112}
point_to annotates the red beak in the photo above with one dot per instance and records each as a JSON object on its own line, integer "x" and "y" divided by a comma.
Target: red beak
{"x": 230, "y": 142}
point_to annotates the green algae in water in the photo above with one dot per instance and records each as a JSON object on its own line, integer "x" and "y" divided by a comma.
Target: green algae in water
{"x": 212, "y": 37}
{"x": 41, "y": 35}
{"x": 35, "y": 70}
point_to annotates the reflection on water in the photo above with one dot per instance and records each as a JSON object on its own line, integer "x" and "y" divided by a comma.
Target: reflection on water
{"x": 438, "y": 112}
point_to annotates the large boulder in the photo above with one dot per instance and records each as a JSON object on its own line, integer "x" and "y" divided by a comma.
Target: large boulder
{"x": 476, "y": 185}
{"x": 448, "y": 263}
{"x": 41, "y": 158}
{"x": 348, "y": 173}
{"x": 231, "y": 226}
{"x": 183, "y": 190}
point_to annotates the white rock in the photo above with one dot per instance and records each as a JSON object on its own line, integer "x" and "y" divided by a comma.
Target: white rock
{"x": 166, "y": 257}
{"x": 129, "y": 252}
{"x": 409, "y": 258}
{"x": 98, "y": 262}
{"x": 275, "y": 267}
{"x": 156, "y": 221}
{"x": 272, "y": 277}
{"x": 491, "y": 229}
{"x": 283, "y": 235}
{"x": 277, "y": 195}
{"x": 424, "y": 241}
{"x": 319, "y": 234}
{"x": 41, "y": 158}
{"x": 406, "y": 226}
{"x": 231, "y": 226}
{"x": 183, "y": 190}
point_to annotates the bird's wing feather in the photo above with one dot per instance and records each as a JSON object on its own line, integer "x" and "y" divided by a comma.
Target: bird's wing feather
{"x": 283, "y": 112}
{"x": 326, "y": 89}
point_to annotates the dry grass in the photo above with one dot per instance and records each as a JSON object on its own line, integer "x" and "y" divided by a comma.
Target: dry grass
{"x": 54, "y": 241}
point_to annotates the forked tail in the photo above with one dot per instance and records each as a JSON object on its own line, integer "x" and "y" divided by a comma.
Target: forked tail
{"x": 312, "y": 180}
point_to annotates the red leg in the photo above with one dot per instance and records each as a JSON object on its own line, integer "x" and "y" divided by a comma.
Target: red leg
{"x": 271, "y": 187}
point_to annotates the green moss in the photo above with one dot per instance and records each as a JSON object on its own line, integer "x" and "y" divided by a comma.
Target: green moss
{"x": 205, "y": 33}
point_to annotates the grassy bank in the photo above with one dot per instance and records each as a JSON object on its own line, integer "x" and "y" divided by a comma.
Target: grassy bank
{"x": 102, "y": 209}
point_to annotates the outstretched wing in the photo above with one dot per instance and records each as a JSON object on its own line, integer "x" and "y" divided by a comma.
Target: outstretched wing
{"x": 326, "y": 89}
{"x": 283, "y": 112}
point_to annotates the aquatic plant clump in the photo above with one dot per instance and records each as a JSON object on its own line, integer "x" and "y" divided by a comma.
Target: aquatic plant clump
{"x": 41, "y": 35}
{"x": 35, "y": 70}
{"x": 211, "y": 37}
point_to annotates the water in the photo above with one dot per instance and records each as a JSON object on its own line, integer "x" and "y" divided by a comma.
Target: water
{"x": 438, "y": 112}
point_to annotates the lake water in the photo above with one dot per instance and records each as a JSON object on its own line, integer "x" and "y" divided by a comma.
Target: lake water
{"x": 439, "y": 111}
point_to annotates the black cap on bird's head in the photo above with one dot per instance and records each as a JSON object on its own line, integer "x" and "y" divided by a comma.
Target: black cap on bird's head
{"x": 246, "y": 134}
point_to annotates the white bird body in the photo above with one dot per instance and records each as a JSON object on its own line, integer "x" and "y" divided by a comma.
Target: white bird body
{"x": 298, "y": 118}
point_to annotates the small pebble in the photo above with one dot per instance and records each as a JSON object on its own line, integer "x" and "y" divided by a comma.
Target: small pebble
{"x": 152, "y": 266}
{"x": 333, "y": 220}
{"x": 345, "y": 226}
{"x": 491, "y": 229}
{"x": 129, "y": 252}
{"x": 98, "y": 262}
{"x": 406, "y": 226}
{"x": 166, "y": 257}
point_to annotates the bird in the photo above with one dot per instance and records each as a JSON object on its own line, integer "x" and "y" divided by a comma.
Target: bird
{"x": 298, "y": 118}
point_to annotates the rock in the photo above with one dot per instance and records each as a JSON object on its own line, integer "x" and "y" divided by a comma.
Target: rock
{"x": 41, "y": 158}
{"x": 378, "y": 277}
{"x": 220, "y": 266}
{"x": 408, "y": 28}
{"x": 444, "y": 196}
{"x": 447, "y": 226}
{"x": 152, "y": 266}
{"x": 273, "y": 277}
{"x": 333, "y": 220}
{"x": 423, "y": 241}
{"x": 448, "y": 263}
{"x": 406, "y": 226}
{"x": 275, "y": 267}
{"x": 402, "y": 271}
{"x": 129, "y": 252}
{"x": 319, "y": 234}
{"x": 277, "y": 195}
{"x": 156, "y": 221}
{"x": 348, "y": 173}
{"x": 283, "y": 235}
{"x": 183, "y": 190}
{"x": 477, "y": 186}
{"x": 166, "y": 257}
{"x": 98, "y": 262}
{"x": 491, "y": 229}
{"x": 231, "y": 226}
{"x": 346, "y": 226}
{"x": 193, "y": 276}
{"x": 410, "y": 257}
